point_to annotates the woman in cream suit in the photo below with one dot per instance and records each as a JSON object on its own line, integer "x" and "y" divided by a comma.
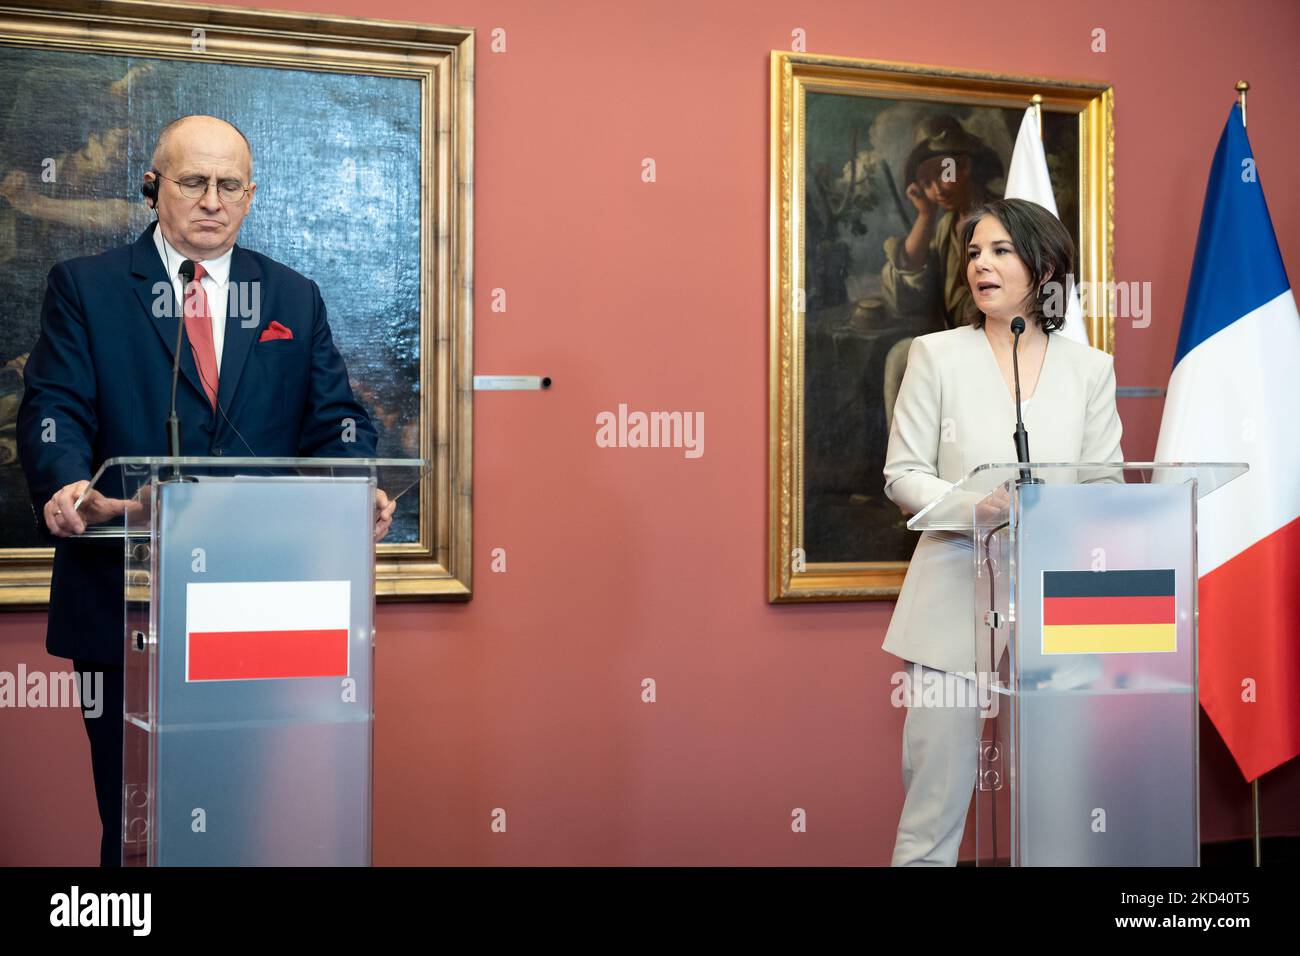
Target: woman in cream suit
{"x": 956, "y": 410}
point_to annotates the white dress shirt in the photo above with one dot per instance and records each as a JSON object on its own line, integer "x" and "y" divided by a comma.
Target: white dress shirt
{"x": 215, "y": 284}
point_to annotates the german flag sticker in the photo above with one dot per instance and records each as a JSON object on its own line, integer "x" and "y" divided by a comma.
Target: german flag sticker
{"x": 1109, "y": 612}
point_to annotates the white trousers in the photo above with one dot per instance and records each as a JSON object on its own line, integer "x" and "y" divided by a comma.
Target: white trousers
{"x": 940, "y": 751}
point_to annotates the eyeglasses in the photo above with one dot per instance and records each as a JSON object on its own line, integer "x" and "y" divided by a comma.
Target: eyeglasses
{"x": 229, "y": 191}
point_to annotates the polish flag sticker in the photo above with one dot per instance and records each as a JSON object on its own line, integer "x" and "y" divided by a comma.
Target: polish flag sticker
{"x": 267, "y": 630}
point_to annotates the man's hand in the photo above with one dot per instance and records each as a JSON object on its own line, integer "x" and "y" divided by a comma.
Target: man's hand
{"x": 383, "y": 513}
{"x": 64, "y": 520}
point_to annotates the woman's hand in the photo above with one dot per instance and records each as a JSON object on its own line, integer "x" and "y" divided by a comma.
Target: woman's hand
{"x": 992, "y": 508}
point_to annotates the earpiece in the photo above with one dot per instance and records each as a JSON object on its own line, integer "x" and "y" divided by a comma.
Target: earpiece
{"x": 149, "y": 190}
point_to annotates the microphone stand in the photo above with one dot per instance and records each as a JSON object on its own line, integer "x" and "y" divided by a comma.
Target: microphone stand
{"x": 1021, "y": 439}
{"x": 1020, "y": 436}
{"x": 173, "y": 420}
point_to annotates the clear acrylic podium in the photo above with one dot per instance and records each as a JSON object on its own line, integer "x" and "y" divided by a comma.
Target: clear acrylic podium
{"x": 249, "y": 606}
{"x": 1084, "y": 623}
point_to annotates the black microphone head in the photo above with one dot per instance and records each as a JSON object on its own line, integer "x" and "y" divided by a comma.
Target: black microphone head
{"x": 1017, "y": 324}
{"x": 187, "y": 273}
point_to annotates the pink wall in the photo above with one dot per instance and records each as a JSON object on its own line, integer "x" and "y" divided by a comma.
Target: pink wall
{"x": 625, "y": 564}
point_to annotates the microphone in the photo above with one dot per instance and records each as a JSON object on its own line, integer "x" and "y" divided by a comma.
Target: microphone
{"x": 1020, "y": 436}
{"x": 173, "y": 422}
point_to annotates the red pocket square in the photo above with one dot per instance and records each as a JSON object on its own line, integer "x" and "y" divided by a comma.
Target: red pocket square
{"x": 275, "y": 331}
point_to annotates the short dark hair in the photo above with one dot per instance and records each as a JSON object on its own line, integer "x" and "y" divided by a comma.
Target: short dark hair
{"x": 1043, "y": 245}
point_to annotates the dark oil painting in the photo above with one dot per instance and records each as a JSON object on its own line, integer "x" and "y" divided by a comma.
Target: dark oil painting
{"x": 336, "y": 159}
{"x": 871, "y": 166}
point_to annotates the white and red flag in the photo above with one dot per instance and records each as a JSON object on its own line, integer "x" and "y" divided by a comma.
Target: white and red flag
{"x": 1028, "y": 178}
{"x": 260, "y": 630}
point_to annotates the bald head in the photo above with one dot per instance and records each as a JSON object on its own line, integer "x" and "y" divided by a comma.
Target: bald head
{"x": 210, "y": 137}
{"x": 197, "y": 161}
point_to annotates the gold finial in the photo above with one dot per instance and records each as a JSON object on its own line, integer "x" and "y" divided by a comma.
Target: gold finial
{"x": 1242, "y": 87}
{"x": 1037, "y": 101}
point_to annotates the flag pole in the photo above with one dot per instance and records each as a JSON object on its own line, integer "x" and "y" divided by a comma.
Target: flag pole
{"x": 1037, "y": 101}
{"x": 1242, "y": 87}
{"x": 1254, "y": 792}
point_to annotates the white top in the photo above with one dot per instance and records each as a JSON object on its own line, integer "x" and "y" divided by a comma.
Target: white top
{"x": 214, "y": 284}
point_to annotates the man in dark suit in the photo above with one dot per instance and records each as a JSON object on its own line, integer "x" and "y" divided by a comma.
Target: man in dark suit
{"x": 259, "y": 376}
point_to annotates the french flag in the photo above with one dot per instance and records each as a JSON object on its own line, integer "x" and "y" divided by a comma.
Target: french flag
{"x": 1235, "y": 396}
{"x": 267, "y": 630}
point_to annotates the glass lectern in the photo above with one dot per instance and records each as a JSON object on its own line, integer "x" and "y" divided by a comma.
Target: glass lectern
{"x": 249, "y": 636}
{"x": 1084, "y": 625}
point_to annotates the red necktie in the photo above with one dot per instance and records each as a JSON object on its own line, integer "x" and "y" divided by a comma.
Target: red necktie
{"x": 198, "y": 326}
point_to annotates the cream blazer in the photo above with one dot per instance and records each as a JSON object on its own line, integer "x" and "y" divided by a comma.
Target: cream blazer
{"x": 953, "y": 413}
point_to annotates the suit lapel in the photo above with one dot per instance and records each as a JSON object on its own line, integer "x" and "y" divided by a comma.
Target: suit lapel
{"x": 151, "y": 281}
{"x": 241, "y": 332}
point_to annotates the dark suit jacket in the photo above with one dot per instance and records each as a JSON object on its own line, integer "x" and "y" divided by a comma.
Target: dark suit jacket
{"x": 101, "y": 371}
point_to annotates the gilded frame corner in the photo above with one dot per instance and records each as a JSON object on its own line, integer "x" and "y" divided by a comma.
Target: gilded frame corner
{"x": 441, "y": 58}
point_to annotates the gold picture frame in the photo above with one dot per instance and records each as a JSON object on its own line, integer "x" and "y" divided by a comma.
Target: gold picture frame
{"x": 435, "y": 559}
{"x": 797, "y": 573}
